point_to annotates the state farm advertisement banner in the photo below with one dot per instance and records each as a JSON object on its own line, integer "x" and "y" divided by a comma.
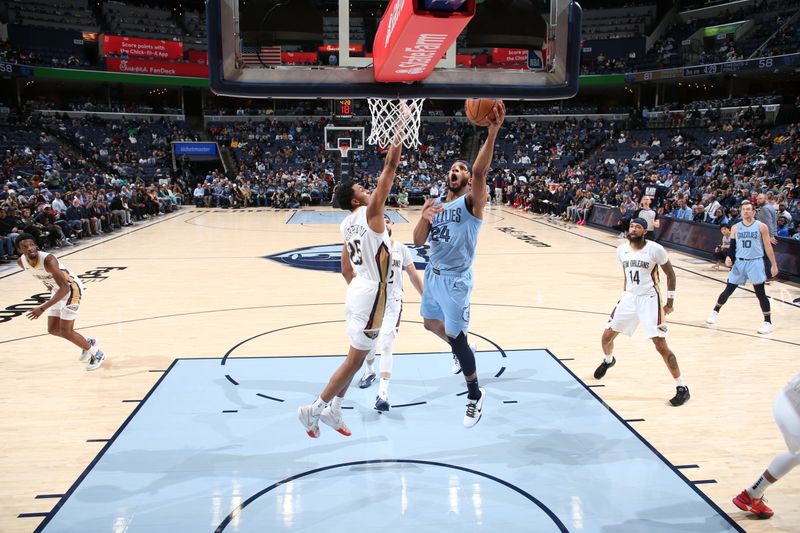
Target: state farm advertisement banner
{"x": 135, "y": 47}
{"x": 509, "y": 56}
{"x": 159, "y": 68}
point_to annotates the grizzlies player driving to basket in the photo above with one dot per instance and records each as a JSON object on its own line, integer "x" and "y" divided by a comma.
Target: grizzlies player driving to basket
{"x": 641, "y": 303}
{"x": 451, "y": 224}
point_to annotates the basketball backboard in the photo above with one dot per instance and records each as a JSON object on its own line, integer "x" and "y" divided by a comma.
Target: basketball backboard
{"x": 344, "y": 138}
{"x": 513, "y": 49}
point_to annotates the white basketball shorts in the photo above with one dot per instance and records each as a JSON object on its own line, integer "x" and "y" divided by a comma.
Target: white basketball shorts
{"x": 631, "y": 310}
{"x": 364, "y": 312}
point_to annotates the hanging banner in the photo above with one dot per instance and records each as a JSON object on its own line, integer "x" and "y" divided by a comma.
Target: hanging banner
{"x": 159, "y": 68}
{"x": 135, "y": 47}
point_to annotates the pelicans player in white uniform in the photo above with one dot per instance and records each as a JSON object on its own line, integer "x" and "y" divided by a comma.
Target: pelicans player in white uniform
{"x": 401, "y": 260}
{"x": 641, "y": 303}
{"x": 786, "y": 410}
{"x": 66, "y": 292}
{"x": 366, "y": 248}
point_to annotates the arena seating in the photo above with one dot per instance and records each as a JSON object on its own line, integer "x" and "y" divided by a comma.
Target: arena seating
{"x": 740, "y": 150}
{"x": 57, "y": 14}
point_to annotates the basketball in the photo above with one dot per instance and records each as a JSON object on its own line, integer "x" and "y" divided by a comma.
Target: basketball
{"x": 478, "y": 110}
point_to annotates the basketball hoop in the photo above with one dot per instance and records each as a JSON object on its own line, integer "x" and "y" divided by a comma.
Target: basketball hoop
{"x": 343, "y": 149}
{"x": 395, "y": 121}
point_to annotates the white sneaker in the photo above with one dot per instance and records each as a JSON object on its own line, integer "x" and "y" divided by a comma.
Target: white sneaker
{"x": 474, "y": 410}
{"x": 712, "y": 318}
{"x": 306, "y": 415}
{"x": 97, "y": 359}
{"x": 456, "y": 368}
{"x": 334, "y": 420}
{"x": 85, "y": 353}
{"x": 766, "y": 327}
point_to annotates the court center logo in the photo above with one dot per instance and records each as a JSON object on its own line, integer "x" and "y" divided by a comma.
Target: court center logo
{"x": 95, "y": 275}
{"x": 328, "y": 257}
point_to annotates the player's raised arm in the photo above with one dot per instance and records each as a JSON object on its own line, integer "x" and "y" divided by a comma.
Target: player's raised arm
{"x": 377, "y": 200}
{"x": 477, "y": 197}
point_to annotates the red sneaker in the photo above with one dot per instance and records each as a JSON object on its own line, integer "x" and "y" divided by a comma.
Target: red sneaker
{"x": 754, "y": 505}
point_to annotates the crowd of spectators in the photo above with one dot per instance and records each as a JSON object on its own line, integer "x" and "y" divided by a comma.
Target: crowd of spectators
{"x": 60, "y": 186}
{"x": 697, "y": 174}
{"x": 55, "y": 59}
{"x": 94, "y": 105}
{"x": 715, "y": 113}
{"x": 286, "y": 165}
{"x": 84, "y": 205}
{"x": 129, "y": 147}
{"x": 120, "y": 171}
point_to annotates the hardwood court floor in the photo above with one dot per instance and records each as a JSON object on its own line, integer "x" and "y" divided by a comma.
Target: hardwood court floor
{"x": 197, "y": 283}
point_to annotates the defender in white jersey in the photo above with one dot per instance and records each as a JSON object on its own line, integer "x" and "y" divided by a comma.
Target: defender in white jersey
{"x": 786, "y": 410}
{"x": 368, "y": 254}
{"x": 749, "y": 242}
{"x": 641, "y": 303}
{"x": 66, "y": 293}
{"x": 365, "y": 266}
{"x": 401, "y": 260}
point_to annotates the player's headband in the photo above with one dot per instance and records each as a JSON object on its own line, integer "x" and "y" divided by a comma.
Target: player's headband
{"x": 639, "y": 220}
{"x": 466, "y": 164}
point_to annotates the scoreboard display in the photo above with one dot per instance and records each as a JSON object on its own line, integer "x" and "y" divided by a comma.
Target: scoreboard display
{"x": 343, "y": 108}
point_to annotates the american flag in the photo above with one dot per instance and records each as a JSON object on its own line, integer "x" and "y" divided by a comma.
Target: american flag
{"x": 266, "y": 55}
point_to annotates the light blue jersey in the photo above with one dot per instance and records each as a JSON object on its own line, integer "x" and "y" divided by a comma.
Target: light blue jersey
{"x": 453, "y": 237}
{"x": 749, "y": 245}
{"x": 749, "y": 262}
{"x": 448, "y": 276}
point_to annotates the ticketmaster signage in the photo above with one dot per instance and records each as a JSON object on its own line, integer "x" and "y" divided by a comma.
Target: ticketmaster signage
{"x": 190, "y": 149}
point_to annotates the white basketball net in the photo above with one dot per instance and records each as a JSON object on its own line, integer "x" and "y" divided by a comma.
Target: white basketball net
{"x": 395, "y": 121}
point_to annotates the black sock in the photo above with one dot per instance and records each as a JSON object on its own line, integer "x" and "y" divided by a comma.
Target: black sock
{"x": 768, "y": 318}
{"x": 464, "y": 353}
{"x": 717, "y": 308}
{"x": 473, "y": 390}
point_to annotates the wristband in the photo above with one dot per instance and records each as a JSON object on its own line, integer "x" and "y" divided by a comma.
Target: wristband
{"x": 670, "y": 295}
